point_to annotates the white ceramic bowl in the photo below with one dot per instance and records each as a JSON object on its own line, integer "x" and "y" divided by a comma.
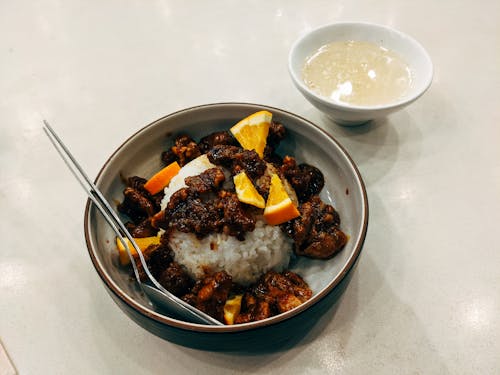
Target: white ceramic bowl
{"x": 405, "y": 46}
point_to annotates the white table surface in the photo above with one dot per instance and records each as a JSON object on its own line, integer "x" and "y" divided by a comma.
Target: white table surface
{"x": 425, "y": 298}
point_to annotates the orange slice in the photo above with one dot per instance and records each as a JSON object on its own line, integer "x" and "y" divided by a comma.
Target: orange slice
{"x": 252, "y": 131}
{"x": 161, "y": 179}
{"x": 143, "y": 244}
{"x": 232, "y": 308}
{"x": 246, "y": 192}
{"x": 279, "y": 206}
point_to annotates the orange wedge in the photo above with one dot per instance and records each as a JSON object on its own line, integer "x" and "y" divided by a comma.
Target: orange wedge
{"x": 279, "y": 206}
{"x": 246, "y": 192}
{"x": 161, "y": 179}
{"x": 232, "y": 308}
{"x": 252, "y": 131}
{"x": 143, "y": 244}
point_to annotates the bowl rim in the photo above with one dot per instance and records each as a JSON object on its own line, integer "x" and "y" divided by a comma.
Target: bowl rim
{"x": 426, "y": 82}
{"x": 111, "y": 286}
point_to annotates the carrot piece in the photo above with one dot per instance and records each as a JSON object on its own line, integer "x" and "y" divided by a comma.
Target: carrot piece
{"x": 161, "y": 179}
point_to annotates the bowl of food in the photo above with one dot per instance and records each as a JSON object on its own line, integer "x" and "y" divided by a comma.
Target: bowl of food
{"x": 249, "y": 213}
{"x": 356, "y": 72}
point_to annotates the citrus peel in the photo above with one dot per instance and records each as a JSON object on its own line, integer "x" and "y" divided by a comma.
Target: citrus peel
{"x": 279, "y": 207}
{"x": 161, "y": 179}
{"x": 246, "y": 191}
{"x": 143, "y": 244}
{"x": 232, "y": 309}
{"x": 252, "y": 131}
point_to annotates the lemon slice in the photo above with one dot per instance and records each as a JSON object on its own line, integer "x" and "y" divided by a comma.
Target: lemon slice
{"x": 279, "y": 207}
{"x": 246, "y": 191}
{"x": 252, "y": 131}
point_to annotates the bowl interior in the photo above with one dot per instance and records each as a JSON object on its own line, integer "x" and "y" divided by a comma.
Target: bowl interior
{"x": 140, "y": 155}
{"x": 405, "y": 46}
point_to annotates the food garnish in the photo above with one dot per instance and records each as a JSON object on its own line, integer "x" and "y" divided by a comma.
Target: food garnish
{"x": 279, "y": 207}
{"x": 232, "y": 309}
{"x": 246, "y": 191}
{"x": 162, "y": 178}
{"x": 252, "y": 131}
{"x": 143, "y": 244}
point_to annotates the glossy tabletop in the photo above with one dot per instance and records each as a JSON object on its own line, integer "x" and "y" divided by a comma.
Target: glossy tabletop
{"x": 425, "y": 297}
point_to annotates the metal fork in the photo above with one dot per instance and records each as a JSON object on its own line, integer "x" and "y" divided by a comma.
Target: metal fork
{"x": 158, "y": 294}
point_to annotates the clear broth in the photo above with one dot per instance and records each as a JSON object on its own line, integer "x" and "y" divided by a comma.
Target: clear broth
{"x": 358, "y": 73}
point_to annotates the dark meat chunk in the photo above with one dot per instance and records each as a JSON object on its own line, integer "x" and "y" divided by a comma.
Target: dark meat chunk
{"x": 223, "y": 155}
{"x": 236, "y": 220}
{"x": 160, "y": 259}
{"x": 143, "y": 229}
{"x": 286, "y": 302}
{"x": 177, "y": 198}
{"x": 175, "y": 279}
{"x": 137, "y": 183}
{"x": 156, "y": 199}
{"x": 159, "y": 220}
{"x": 210, "y": 294}
{"x": 277, "y": 133}
{"x": 263, "y": 311}
{"x": 271, "y": 157}
{"x": 168, "y": 157}
{"x": 253, "y": 309}
{"x": 130, "y": 226}
{"x": 183, "y": 151}
{"x": 298, "y": 281}
{"x": 190, "y": 298}
{"x": 300, "y": 228}
{"x": 316, "y": 231}
{"x": 250, "y": 162}
{"x": 237, "y": 159}
{"x": 209, "y": 180}
{"x": 274, "y": 285}
{"x": 274, "y": 293}
{"x": 325, "y": 244}
{"x": 305, "y": 179}
{"x": 136, "y": 205}
{"x": 214, "y": 139}
{"x": 188, "y": 213}
{"x": 157, "y": 257}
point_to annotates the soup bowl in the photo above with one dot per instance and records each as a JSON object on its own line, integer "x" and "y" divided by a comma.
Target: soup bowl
{"x": 343, "y": 113}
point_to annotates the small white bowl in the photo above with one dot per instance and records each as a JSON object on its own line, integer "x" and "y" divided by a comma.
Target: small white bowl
{"x": 346, "y": 114}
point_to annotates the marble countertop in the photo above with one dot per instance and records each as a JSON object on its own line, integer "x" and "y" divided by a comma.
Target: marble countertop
{"x": 425, "y": 297}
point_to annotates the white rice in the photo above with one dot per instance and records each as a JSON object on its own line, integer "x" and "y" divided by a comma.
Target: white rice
{"x": 193, "y": 168}
{"x": 265, "y": 248}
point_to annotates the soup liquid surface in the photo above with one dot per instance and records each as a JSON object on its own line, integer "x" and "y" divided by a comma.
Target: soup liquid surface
{"x": 358, "y": 73}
